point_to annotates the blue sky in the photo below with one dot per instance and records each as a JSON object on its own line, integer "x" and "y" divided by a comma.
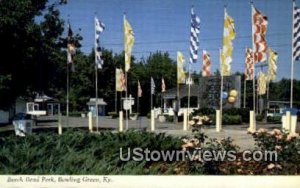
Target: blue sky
{"x": 164, "y": 25}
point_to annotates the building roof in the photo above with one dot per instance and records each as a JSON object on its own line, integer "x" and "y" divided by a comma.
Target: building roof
{"x": 100, "y": 102}
{"x": 183, "y": 92}
{"x": 44, "y": 98}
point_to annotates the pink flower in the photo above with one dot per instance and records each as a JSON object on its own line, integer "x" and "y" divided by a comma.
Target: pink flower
{"x": 185, "y": 140}
{"x": 276, "y": 132}
{"x": 291, "y": 136}
{"x": 250, "y": 131}
{"x": 277, "y": 147}
{"x": 192, "y": 122}
{"x": 279, "y": 137}
{"x": 271, "y": 166}
{"x": 262, "y": 130}
{"x": 278, "y": 166}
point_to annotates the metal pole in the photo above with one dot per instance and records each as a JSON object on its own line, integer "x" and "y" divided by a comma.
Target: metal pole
{"x": 221, "y": 93}
{"x": 96, "y": 88}
{"x": 268, "y": 88}
{"x": 245, "y": 85}
{"x": 68, "y": 94}
{"x": 189, "y": 92}
{"x": 292, "y": 63}
{"x": 178, "y": 102}
{"x": 116, "y": 93}
{"x": 253, "y": 62}
{"x": 116, "y": 101}
{"x": 126, "y": 95}
{"x": 96, "y": 102}
{"x": 137, "y": 104}
{"x": 151, "y": 96}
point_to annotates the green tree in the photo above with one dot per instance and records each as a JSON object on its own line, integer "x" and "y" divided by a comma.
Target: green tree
{"x": 32, "y": 48}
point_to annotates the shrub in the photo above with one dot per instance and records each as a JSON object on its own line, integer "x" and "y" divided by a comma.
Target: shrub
{"x": 113, "y": 115}
{"x": 169, "y": 118}
{"x": 76, "y": 114}
{"x": 274, "y": 119}
{"x": 79, "y": 152}
{"x": 231, "y": 119}
{"x": 259, "y": 117}
{"x": 245, "y": 114}
{"x": 204, "y": 111}
{"x": 285, "y": 144}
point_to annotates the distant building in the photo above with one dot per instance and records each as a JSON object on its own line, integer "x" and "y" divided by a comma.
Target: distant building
{"x": 101, "y": 106}
{"x": 48, "y": 104}
{"x": 205, "y": 94}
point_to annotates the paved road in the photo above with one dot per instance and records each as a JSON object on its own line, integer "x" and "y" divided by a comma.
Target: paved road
{"x": 237, "y": 132}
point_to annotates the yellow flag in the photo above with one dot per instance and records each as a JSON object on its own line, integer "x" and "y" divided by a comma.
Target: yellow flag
{"x": 128, "y": 43}
{"x": 228, "y": 36}
{"x": 262, "y": 83}
{"x": 180, "y": 70}
{"x": 272, "y": 72}
{"x": 120, "y": 80}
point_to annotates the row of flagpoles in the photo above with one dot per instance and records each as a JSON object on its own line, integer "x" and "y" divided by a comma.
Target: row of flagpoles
{"x": 257, "y": 54}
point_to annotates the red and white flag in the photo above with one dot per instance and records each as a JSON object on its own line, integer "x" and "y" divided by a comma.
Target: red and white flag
{"x": 206, "y": 64}
{"x": 140, "y": 92}
{"x": 163, "y": 85}
{"x": 259, "y": 29}
{"x": 249, "y": 64}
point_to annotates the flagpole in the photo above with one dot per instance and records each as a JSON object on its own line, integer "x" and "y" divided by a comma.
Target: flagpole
{"x": 245, "y": 85}
{"x": 268, "y": 88}
{"x": 96, "y": 93}
{"x": 68, "y": 93}
{"x": 126, "y": 93}
{"x": 151, "y": 94}
{"x": 245, "y": 81}
{"x": 221, "y": 93}
{"x": 137, "y": 102}
{"x": 292, "y": 61}
{"x": 116, "y": 101}
{"x": 189, "y": 91}
{"x": 96, "y": 84}
{"x": 68, "y": 78}
{"x": 116, "y": 92}
{"x": 178, "y": 101}
{"x": 253, "y": 81}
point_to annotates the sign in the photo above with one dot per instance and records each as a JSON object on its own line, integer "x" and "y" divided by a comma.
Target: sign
{"x": 128, "y": 102}
{"x": 210, "y": 91}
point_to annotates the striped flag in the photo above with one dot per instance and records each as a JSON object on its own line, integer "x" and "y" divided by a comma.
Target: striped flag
{"x": 262, "y": 83}
{"x": 206, "y": 64}
{"x": 259, "y": 29}
{"x": 296, "y": 32}
{"x": 249, "y": 64}
{"x": 194, "y": 40}
{"x": 228, "y": 36}
{"x": 71, "y": 49}
{"x": 120, "y": 80}
{"x": 99, "y": 28}
{"x": 272, "y": 72}
{"x": 163, "y": 85}
{"x": 140, "y": 92}
{"x": 180, "y": 70}
{"x": 128, "y": 43}
{"x": 152, "y": 86}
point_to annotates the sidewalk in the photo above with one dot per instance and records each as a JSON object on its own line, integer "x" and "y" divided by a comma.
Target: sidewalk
{"x": 237, "y": 132}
